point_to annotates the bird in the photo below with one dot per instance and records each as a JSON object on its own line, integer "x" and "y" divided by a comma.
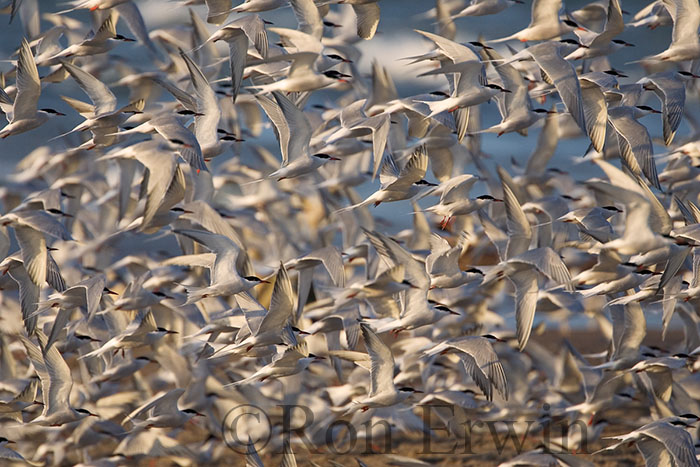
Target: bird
{"x": 479, "y": 360}
{"x": 382, "y": 391}
{"x": 56, "y": 383}
{"x": 398, "y": 184}
{"x": 22, "y": 114}
{"x": 162, "y": 411}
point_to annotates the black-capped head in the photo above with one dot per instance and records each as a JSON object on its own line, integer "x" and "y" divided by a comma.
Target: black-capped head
{"x": 475, "y": 271}
{"x": 497, "y": 87}
{"x": 53, "y": 112}
{"x": 86, "y": 412}
{"x": 339, "y": 58}
{"x": 407, "y": 389}
{"x": 324, "y": 156}
{"x": 622, "y": 43}
{"x": 166, "y": 331}
{"x": 334, "y": 74}
{"x": 256, "y": 279}
{"x": 614, "y": 72}
{"x": 480, "y": 44}
{"x": 424, "y": 182}
{"x": 119, "y": 37}
{"x": 612, "y": 208}
{"x": 646, "y": 108}
{"x": 571, "y": 23}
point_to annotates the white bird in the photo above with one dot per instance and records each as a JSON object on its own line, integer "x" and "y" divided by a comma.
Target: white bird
{"x": 480, "y": 361}
{"x": 545, "y": 23}
{"x": 602, "y": 44}
{"x": 685, "y": 44}
{"x": 31, "y": 229}
{"x": 142, "y": 331}
{"x": 660, "y": 441}
{"x": 485, "y": 7}
{"x": 382, "y": 391}
{"x": 295, "y": 125}
{"x": 271, "y": 326}
{"x": 162, "y": 411}
{"x": 103, "y": 119}
{"x": 291, "y": 361}
{"x": 669, "y": 87}
{"x": 443, "y": 265}
{"x": 397, "y": 185}
{"x": 23, "y": 115}
{"x": 224, "y": 276}
{"x": 302, "y": 75}
{"x": 56, "y": 383}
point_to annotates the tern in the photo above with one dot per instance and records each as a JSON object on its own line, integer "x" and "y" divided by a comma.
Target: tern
{"x": 382, "y": 392}
{"x": 23, "y": 115}
{"x": 56, "y": 384}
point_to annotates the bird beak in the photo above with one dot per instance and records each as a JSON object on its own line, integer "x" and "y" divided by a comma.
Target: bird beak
{"x": 110, "y": 292}
{"x": 498, "y": 200}
{"x": 452, "y": 312}
{"x": 301, "y": 333}
{"x": 627, "y": 44}
{"x": 171, "y": 332}
{"x": 264, "y": 281}
{"x": 334, "y": 158}
{"x": 60, "y": 114}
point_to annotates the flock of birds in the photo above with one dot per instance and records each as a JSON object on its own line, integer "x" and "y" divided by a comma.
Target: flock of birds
{"x": 149, "y": 291}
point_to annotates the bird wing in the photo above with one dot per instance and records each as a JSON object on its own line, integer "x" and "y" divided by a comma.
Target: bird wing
{"x": 457, "y": 188}
{"x": 545, "y": 12}
{"x": 37, "y": 359}
{"x": 27, "y": 83}
{"x": 299, "y": 128}
{"x": 443, "y": 259}
{"x": 382, "y": 369}
{"x": 672, "y": 95}
{"x": 613, "y": 26}
{"x": 484, "y": 363}
{"x": 394, "y": 254}
{"x": 563, "y": 76}
{"x": 548, "y": 262}
{"x": 332, "y": 260}
{"x": 158, "y": 403}
{"x": 34, "y": 253}
{"x": 525, "y": 282}
{"x": 367, "y": 19}
{"x": 206, "y": 125}
{"x": 635, "y": 144}
{"x": 226, "y": 251}
{"x": 281, "y": 303}
{"x": 28, "y": 295}
{"x": 519, "y": 230}
{"x": 595, "y": 113}
{"x": 308, "y": 17}
{"x": 452, "y": 50}
{"x": 60, "y": 379}
{"x": 413, "y": 171}
{"x": 237, "y": 53}
{"x": 97, "y": 91}
{"x": 274, "y": 113}
{"x": 686, "y": 19}
{"x": 678, "y": 442}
